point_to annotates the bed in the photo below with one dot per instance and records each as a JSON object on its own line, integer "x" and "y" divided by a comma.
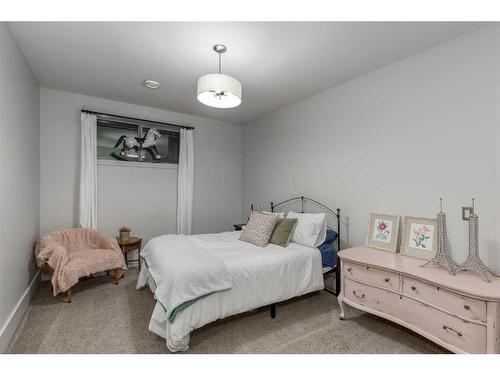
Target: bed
{"x": 232, "y": 276}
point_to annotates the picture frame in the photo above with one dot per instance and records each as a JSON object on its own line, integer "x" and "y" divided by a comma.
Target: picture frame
{"x": 420, "y": 237}
{"x": 383, "y": 230}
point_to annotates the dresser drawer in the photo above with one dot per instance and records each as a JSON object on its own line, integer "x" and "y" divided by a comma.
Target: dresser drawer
{"x": 454, "y": 303}
{"x": 372, "y": 297}
{"x": 373, "y": 276}
{"x": 466, "y": 336}
{"x": 424, "y": 319}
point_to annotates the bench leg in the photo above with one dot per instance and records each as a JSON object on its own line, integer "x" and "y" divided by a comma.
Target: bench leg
{"x": 69, "y": 294}
{"x": 273, "y": 311}
{"x": 116, "y": 275}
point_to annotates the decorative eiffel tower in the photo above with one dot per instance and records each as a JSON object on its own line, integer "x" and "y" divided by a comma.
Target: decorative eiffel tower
{"x": 473, "y": 262}
{"x": 442, "y": 256}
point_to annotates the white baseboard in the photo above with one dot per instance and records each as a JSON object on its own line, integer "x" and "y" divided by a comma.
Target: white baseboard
{"x": 10, "y": 326}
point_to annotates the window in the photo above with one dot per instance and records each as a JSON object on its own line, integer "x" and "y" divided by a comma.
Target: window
{"x": 126, "y": 139}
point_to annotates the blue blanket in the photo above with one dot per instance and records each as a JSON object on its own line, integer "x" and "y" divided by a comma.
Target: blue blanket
{"x": 328, "y": 253}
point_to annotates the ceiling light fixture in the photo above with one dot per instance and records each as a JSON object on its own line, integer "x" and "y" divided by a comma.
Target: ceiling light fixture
{"x": 151, "y": 84}
{"x": 219, "y": 90}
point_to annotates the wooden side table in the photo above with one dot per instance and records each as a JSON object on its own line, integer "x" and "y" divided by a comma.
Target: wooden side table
{"x": 238, "y": 226}
{"x": 134, "y": 243}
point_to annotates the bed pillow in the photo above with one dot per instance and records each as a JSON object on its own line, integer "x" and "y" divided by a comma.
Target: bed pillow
{"x": 279, "y": 214}
{"x": 310, "y": 230}
{"x": 331, "y": 235}
{"x": 283, "y": 231}
{"x": 259, "y": 228}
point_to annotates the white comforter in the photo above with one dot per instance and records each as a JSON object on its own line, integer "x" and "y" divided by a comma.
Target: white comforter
{"x": 260, "y": 276}
{"x": 183, "y": 272}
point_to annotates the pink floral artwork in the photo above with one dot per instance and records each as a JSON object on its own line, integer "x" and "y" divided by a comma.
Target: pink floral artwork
{"x": 382, "y": 230}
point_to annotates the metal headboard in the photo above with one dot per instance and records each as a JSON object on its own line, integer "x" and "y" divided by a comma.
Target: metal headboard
{"x": 303, "y": 200}
{"x": 336, "y": 213}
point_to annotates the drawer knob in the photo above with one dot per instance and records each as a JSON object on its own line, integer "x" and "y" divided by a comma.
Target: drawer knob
{"x": 466, "y": 307}
{"x": 446, "y": 328}
{"x": 387, "y": 279}
{"x": 349, "y": 269}
{"x": 413, "y": 288}
{"x": 360, "y": 295}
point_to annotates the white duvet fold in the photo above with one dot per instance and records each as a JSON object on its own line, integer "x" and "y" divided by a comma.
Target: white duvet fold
{"x": 183, "y": 272}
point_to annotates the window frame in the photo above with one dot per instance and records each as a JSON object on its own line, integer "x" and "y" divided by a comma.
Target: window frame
{"x": 117, "y": 120}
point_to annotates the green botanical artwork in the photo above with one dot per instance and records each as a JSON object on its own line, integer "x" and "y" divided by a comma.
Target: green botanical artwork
{"x": 421, "y": 236}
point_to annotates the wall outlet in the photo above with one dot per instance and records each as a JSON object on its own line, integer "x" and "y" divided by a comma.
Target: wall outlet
{"x": 467, "y": 212}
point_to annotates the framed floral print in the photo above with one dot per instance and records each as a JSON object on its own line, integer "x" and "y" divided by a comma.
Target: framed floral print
{"x": 419, "y": 237}
{"x": 383, "y": 232}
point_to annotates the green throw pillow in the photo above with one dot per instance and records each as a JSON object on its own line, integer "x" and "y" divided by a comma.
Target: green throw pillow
{"x": 283, "y": 231}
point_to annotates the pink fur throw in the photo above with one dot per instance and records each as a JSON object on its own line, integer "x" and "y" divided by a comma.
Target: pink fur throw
{"x": 75, "y": 253}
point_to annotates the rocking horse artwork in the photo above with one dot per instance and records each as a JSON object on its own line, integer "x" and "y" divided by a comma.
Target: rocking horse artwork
{"x": 147, "y": 143}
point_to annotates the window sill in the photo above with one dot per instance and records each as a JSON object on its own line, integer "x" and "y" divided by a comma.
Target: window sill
{"x": 135, "y": 164}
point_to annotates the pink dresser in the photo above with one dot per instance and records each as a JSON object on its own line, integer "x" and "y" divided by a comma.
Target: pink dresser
{"x": 460, "y": 313}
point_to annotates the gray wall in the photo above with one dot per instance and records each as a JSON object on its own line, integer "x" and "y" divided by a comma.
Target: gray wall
{"x": 392, "y": 141}
{"x": 142, "y": 198}
{"x": 20, "y": 181}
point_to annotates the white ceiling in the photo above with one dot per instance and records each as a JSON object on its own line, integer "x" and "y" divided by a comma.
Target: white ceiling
{"x": 277, "y": 63}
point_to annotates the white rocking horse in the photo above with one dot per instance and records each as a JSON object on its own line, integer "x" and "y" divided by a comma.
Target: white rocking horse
{"x": 148, "y": 143}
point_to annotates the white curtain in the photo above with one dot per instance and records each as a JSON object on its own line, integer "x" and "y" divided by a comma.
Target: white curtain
{"x": 185, "y": 182}
{"x": 88, "y": 172}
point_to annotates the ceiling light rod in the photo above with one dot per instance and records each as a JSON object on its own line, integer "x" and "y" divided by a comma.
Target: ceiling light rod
{"x": 220, "y": 49}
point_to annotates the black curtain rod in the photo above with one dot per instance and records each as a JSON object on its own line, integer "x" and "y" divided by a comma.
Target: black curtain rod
{"x": 137, "y": 119}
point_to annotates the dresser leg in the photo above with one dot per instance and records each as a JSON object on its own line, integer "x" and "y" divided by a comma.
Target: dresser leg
{"x": 340, "y": 299}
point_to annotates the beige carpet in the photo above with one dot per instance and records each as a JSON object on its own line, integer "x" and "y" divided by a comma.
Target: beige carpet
{"x": 105, "y": 318}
